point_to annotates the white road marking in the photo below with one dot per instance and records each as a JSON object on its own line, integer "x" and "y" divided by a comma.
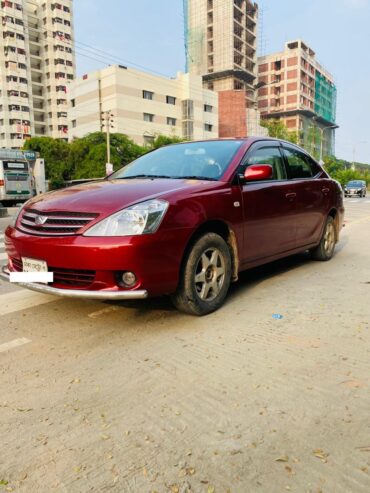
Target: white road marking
{"x": 3, "y": 256}
{"x": 22, "y": 300}
{"x": 2, "y": 236}
{"x": 13, "y": 344}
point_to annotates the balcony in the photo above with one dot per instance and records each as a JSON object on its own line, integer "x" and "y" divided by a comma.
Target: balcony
{"x": 37, "y": 80}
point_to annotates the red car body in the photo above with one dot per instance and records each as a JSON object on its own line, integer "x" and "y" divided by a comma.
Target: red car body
{"x": 264, "y": 221}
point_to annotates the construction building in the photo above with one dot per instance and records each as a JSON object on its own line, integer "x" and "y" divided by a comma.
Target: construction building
{"x": 142, "y": 105}
{"x": 300, "y": 92}
{"x": 221, "y": 46}
{"x": 37, "y": 63}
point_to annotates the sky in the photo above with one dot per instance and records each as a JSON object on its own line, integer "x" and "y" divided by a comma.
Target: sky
{"x": 149, "y": 35}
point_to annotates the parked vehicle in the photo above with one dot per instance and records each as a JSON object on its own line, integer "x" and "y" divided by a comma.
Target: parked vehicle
{"x": 16, "y": 181}
{"x": 182, "y": 220}
{"x": 355, "y": 188}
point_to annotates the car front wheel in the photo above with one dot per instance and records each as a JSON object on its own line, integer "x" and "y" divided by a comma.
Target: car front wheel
{"x": 206, "y": 276}
{"x": 325, "y": 249}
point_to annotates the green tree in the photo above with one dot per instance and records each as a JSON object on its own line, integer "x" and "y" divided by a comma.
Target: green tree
{"x": 164, "y": 140}
{"x": 55, "y": 153}
{"x": 88, "y": 155}
{"x": 277, "y": 129}
{"x": 342, "y": 170}
{"x": 85, "y": 158}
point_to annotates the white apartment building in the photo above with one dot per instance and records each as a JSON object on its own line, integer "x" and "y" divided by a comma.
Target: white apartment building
{"x": 142, "y": 105}
{"x": 37, "y": 63}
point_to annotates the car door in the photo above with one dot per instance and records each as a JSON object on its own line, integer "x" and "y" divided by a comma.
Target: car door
{"x": 268, "y": 206}
{"x": 312, "y": 194}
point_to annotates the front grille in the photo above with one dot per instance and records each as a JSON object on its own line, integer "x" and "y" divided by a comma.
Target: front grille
{"x": 64, "y": 277}
{"x": 56, "y": 223}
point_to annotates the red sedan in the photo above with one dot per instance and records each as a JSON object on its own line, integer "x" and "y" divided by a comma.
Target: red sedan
{"x": 183, "y": 220}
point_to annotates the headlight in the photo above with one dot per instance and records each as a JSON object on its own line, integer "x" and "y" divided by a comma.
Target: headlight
{"x": 14, "y": 219}
{"x": 138, "y": 219}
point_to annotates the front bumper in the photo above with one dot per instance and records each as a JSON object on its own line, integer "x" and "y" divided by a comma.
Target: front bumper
{"x": 155, "y": 260}
{"x": 78, "y": 293}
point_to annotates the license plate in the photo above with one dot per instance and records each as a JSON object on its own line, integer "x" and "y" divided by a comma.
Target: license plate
{"x": 32, "y": 265}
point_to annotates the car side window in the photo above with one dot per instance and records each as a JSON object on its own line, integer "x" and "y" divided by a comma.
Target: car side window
{"x": 271, "y": 156}
{"x": 298, "y": 163}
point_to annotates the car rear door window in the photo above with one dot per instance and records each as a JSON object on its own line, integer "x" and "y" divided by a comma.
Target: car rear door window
{"x": 298, "y": 164}
{"x": 271, "y": 156}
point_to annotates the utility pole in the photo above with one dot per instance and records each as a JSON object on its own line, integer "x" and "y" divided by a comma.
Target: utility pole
{"x": 107, "y": 121}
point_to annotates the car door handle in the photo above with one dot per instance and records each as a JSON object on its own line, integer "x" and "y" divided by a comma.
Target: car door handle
{"x": 291, "y": 195}
{"x": 325, "y": 191}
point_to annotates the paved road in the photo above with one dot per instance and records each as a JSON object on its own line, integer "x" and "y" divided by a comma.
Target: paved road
{"x": 139, "y": 398}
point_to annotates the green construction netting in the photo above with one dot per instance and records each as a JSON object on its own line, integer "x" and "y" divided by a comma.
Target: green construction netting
{"x": 325, "y": 98}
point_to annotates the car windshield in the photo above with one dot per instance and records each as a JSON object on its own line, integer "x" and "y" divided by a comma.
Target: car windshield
{"x": 354, "y": 184}
{"x": 194, "y": 160}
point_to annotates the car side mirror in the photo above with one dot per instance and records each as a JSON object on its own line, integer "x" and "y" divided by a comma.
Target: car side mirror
{"x": 258, "y": 172}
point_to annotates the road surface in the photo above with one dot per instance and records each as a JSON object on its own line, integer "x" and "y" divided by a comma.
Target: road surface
{"x": 136, "y": 397}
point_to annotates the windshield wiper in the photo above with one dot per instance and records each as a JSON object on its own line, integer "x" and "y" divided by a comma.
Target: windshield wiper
{"x": 142, "y": 176}
{"x": 194, "y": 177}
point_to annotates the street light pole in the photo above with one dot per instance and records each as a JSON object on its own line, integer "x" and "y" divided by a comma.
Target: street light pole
{"x": 106, "y": 116}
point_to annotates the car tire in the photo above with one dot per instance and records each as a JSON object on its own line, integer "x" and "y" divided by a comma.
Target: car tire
{"x": 205, "y": 277}
{"x": 325, "y": 249}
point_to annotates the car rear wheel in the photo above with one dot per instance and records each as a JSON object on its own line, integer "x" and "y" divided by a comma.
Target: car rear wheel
{"x": 325, "y": 249}
{"x": 205, "y": 277}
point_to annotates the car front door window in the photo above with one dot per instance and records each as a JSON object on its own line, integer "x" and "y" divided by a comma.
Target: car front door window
{"x": 271, "y": 156}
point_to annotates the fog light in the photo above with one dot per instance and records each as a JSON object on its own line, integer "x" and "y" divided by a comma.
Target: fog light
{"x": 128, "y": 279}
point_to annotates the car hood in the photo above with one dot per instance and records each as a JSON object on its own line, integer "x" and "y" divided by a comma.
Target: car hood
{"x": 109, "y": 196}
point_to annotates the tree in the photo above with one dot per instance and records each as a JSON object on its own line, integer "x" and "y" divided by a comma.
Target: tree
{"x": 55, "y": 153}
{"x": 87, "y": 156}
{"x": 342, "y": 170}
{"x": 277, "y": 129}
{"x": 164, "y": 140}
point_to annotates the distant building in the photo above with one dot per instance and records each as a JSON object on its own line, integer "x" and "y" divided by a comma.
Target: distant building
{"x": 37, "y": 63}
{"x": 300, "y": 92}
{"x": 221, "y": 46}
{"x": 142, "y": 105}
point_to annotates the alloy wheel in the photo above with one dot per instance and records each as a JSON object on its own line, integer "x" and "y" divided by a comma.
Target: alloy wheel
{"x": 329, "y": 238}
{"x": 210, "y": 274}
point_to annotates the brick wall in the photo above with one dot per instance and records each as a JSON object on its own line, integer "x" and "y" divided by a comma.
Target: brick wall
{"x": 232, "y": 114}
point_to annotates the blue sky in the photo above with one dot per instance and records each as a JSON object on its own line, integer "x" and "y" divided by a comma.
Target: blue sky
{"x": 149, "y": 35}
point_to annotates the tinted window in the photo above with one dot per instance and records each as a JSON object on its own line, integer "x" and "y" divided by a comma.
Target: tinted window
{"x": 271, "y": 156}
{"x": 299, "y": 164}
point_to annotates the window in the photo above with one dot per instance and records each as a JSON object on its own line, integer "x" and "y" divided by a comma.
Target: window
{"x": 74, "y": 123}
{"x": 148, "y": 95}
{"x": 148, "y": 117}
{"x": 170, "y": 100}
{"x": 73, "y": 103}
{"x": 299, "y": 164}
{"x": 271, "y": 156}
{"x": 171, "y": 121}
{"x": 208, "y": 127}
{"x": 208, "y": 108}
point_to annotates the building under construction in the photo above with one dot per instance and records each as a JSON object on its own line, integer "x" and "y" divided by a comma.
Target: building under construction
{"x": 302, "y": 93}
{"x": 221, "y": 46}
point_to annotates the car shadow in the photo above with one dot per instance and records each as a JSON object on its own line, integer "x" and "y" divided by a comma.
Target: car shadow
{"x": 247, "y": 279}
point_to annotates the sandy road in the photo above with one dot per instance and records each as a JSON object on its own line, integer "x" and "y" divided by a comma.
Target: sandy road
{"x": 139, "y": 398}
